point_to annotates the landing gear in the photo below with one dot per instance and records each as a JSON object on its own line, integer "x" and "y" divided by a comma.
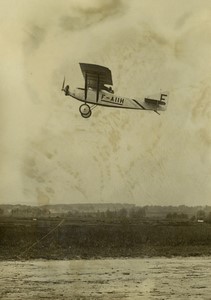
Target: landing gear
{"x": 85, "y": 110}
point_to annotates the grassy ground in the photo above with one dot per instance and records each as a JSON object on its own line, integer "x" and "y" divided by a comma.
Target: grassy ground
{"x": 84, "y": 239}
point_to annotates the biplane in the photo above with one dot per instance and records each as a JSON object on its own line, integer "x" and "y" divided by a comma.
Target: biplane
{"x": 98, "y": 91}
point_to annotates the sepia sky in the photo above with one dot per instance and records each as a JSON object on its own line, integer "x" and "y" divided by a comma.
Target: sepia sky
{"x": 49, "y": 154}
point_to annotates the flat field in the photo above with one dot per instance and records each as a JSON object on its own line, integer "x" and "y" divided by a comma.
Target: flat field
{"x": 75, "y": 239}
{"x": 106, "y": 279}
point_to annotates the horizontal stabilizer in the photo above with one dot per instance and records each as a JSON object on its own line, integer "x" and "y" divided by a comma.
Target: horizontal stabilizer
{"x": 153, "y": 101}
{"x": 157, "y": 102}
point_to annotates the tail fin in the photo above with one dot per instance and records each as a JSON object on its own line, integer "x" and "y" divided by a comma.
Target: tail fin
{"x": 158, "y": 104}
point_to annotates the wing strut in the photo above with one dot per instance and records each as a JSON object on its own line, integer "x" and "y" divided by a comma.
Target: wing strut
{"x": 86, "y": 86}
{"x": 98, "y": 87}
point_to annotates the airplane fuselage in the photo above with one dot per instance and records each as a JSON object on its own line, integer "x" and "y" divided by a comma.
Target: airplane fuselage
{"x": 105, "y": 98}
{"x": 98, "y": 91}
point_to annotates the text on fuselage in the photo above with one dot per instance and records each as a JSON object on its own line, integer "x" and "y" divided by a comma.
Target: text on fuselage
{"x": 112, "y": 99}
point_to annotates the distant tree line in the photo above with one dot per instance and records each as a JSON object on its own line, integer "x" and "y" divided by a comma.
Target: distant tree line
{"x": 200, "y": 215}
{"x": 30, "y": 212}
{"x": 177, "y": 216}
{"x": 122, "y": 214}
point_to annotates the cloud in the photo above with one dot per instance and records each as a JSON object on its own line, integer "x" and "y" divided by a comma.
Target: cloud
{"x": 35, "y": 36}
{"x": 87, "y": 13}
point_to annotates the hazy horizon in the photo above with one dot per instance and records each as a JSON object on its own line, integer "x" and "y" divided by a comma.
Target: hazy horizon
{"x": 50, "y": 155}
{"x": 100, "y": 203}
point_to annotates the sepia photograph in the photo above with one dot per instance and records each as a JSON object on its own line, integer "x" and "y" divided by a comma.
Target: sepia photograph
{"x": 105, "y": 149}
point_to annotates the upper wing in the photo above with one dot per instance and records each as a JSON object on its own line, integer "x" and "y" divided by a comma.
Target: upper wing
{"x": 96, "y": 76}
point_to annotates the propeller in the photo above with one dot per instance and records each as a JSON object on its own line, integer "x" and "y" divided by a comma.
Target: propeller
{"x": 63, "y": 84}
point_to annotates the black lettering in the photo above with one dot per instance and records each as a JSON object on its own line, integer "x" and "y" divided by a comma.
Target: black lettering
{"x": 112, "y": 98}
{"x": 102, "y": 96}
{"x": 121, "y": 100}
{"x": 161, "y": 97}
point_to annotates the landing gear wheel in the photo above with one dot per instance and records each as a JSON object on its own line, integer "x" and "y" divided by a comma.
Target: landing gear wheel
{"x": 87, "y": 115}
{"x": 85, "y": 111}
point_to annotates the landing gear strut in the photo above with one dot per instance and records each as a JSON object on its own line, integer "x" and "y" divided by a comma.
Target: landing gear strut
{"x": 85, "y": 110}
